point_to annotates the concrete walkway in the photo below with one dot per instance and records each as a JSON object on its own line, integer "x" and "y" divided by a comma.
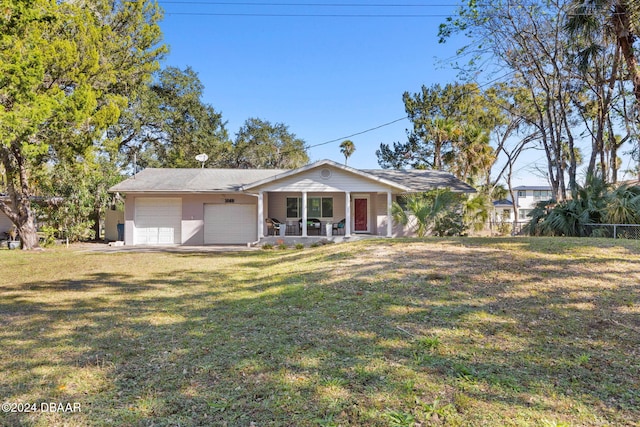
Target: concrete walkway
{"x": 105, "y": 248}
{"x": 309, "y": 240}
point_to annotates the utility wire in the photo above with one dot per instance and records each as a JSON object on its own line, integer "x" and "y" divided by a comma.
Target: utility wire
{"x": 305, "y": 15}
{"x": 309, "y": 5}
{"x": 400, "y": 119}
{"x": 357, "y": 133}
{"x": 370, "y": 5}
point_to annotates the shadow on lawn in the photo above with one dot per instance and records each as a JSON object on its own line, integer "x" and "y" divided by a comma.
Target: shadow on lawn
{"x": 345, "y": 337}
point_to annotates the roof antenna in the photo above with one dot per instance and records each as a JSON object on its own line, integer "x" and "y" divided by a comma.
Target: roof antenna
{"x": 202, "y": 158}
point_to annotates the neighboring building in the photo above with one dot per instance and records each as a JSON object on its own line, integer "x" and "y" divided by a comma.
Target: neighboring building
{"x": 502, "y": 211}
{"x": 526, "y": 199}
{"x": 231, "y": 206}
{"x": 528, "y": 196}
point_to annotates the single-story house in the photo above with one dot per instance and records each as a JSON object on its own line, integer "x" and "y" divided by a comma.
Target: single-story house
{"x": 233, "y": 206}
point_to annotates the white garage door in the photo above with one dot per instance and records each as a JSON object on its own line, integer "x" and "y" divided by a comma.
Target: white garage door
{"x": 230, "y": 224}
{"x": 158, "y": 221}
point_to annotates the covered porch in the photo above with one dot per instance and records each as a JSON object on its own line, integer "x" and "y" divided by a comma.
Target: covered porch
{"x": 307, "y": 199}
{"x": 327, "y": 214}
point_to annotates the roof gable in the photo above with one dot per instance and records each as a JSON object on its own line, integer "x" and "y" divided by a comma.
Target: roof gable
{"x": 303, "y": 172}
{"x": 502, "y": 202}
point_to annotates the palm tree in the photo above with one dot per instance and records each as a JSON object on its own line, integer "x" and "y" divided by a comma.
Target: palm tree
{"x": 424, "y": 210}
{"x": 474, "y": 155}
{"x": 595, "y": 203}
{"x": 623, "y": 205}
{"x": 594, "y": 21}
{"x": 347, "y": 148}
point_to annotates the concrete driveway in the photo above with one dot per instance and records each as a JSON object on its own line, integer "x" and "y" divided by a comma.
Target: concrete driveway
{"x": 105, "y": 248}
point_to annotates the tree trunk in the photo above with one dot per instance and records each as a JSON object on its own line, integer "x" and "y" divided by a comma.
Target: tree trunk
{"x": 626, "y": 38}
{"x": 24, "y": 221}
{"x": 19, "y": 211}
{"x": 95, "y": 218}
{"x": 514, "y": 227}
{"x": 28, "y": 234}
{"x": 437, "y": 159}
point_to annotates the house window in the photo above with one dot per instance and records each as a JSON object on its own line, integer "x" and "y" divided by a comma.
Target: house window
{"x": 327, "y": 207}
{"x": 317, "y": 207}
{"x": 543, "y": 194}
{"x": 522, "y": 193}
{"x": 293, "y": 207}
{"x": 523, "y": 213}
{"x": 314, "y": 207}
{"x": 506, "y": 213}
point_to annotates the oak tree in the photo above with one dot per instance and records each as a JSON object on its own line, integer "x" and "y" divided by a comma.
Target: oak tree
{"x": 66, "y": 70}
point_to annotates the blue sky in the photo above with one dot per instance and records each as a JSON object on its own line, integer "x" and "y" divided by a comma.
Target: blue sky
{"x": 325, "y": 77}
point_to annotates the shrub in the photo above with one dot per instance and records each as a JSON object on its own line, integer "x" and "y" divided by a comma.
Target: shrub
{"x": 595, "y": 203}
{"x": 442, "y": 212}
{"x": 449, "y": 225}
{"x": 49, "y": 236}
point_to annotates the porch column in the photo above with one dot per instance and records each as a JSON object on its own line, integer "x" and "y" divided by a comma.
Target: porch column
{"x": 347, "y": 214}
{"x": 389, "y": 216}
{"x": 260, "y": 215}
{"x": 304, "y": 214}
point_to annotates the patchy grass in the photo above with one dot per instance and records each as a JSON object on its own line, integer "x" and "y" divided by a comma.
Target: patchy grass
{"x": 512, "y": 332}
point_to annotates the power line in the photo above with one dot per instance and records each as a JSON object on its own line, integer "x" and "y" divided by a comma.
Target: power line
{"x": 358, "y": 133}
{"x": 370, "y": 5}
{"x": 480, "y": 86}
{"x": 307, "y": 15}
{"x": 255, "y": 5}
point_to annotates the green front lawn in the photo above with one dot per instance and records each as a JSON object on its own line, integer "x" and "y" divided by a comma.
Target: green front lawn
{"x": 542, "y": 332}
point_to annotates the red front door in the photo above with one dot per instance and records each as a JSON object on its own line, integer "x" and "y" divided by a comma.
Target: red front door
{"x": 361, "y": 215}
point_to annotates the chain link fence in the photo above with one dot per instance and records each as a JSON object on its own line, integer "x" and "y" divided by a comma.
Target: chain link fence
{"x": 615, "y": 231}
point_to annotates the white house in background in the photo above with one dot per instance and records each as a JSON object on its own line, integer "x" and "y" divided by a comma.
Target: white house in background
{"x": 232, "y": 206}
{"x": 502, "y": 211}
{"x": 526, "y": 199}
{"x": 528, "y": 196}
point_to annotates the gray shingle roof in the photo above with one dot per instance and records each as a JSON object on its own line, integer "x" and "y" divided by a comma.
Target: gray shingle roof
{"x": 532, "y": 187}
{"x": 192, "y": 180}
{"x": 422, "y": 180}
{"x": 227, "y": 180}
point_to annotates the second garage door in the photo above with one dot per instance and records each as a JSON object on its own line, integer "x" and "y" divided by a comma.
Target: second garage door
{"x": 230, "y": 224}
